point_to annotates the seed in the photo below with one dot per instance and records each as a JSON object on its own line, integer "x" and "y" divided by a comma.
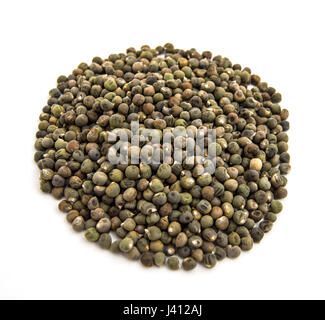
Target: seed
{"x": 222, "y": 223}
{"x": 173, "y": 263}
{"x": 105, "y": 241}
{"x": 186, "y": 217}
{"x": 187, "y": 182}
{"x": 104, "y": 225}
{"x": 115, "y": 246}
{"x": 231, "y": 185}
{"x": 116, "y": 175}
{"x": 133, "y": 254}
{"x": 194, "y": 227}
{"x": 204, "y": 180}
{"x": 234, "y": 239}
{"x": 78, "y": 224}
{"x": 92, "y": 235}
{"x": 97, "y": 214}
{"x": 209, "y": 260}
{"x": 126, "y": 245}
{"x": 159, "y": 199}
{"x": 174, "y": 228}
{"x": 130, "y": 194}
{"x": 169, "y": 250}
{"x": 208, "y": 193}
{"x": 186, "y": 198}
{"x": 164, "y": 171}
{"x": 189, "y": 263}
{"x": 100, "y": 178}
{"x": 198, "y": 254}
{"x": 222, "y": 239}
{"x": 110, "y": 85}
{"x": 113, "y": 190}
{"x": 181, "y": 240}
{"x": 209, "y": 234}
{"x": 129, "y": 224}
{"x": 256, "y": 164}
{"x": 240, "y": 217}
{"x": 276, "y": 206}
{"x": 256, "y": 215}
{"x": 195, "y": 242}
{"x": 280, "y": 193}
{"x": 220, "y": 253}
{"x": 173, "y": 197}
{"x": 228, "y": 210}
{"x": 266, "y": 226}
{"x": 153, "y": 233}
{"x": 204, "y": 207}
{"x": 233, "y": 251}
{"x": 132, "y": 172}
{"x": 246, "y": 243}
{"x": 206, "y": 222}
{"x": 160, "y": 259}
{"x": 147, "y": 259}
{"x": 156, "y": 185}
{"x": 257, "y": 234}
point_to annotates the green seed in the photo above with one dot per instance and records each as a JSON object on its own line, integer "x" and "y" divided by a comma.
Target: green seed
{"x": 209, "y": 260}
{"x": 276, "y": 206}
{"x": 204, "y": 180}
{"x": 164, "y": 171}
{"x": 160, "y": 259}
{"x": 156, "y": 185}
{"x": 173, "y": 263}
{"x": 132, "y": 172}
{"x": 92, "y": 235}
{"x": 147, "y": 259}
{"x": 133, "y": 254}
{"x": 104, "y": 225}
{"x": 110, "y": 85}
{"x": 233, "y": 252}
{"x": 186, "y": 198}
{"x": 153, "y": 233}
{"x": 100, "y": 178}
{"x": 189, "y": 263}
{"x": 78, "y": 224}
{"x": 105, "y": 241}
{"x": 115, "y": 246}
{"x": 246, "y": 243}
{"x": 126, "y": 245}
{"x": 113, "y": 190}
{"x": 130, "y": 194}
{"x": 129, "y": 224}
{"x": 174, "y": 228}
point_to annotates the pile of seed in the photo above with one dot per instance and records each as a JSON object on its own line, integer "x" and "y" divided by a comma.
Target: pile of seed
{"x": 161, "y": 213}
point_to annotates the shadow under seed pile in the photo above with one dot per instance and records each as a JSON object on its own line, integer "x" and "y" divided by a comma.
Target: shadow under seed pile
{"x": 165, "y": 212}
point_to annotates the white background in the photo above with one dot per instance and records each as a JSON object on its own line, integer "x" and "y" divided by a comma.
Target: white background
{"x": 282, "y": 41}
